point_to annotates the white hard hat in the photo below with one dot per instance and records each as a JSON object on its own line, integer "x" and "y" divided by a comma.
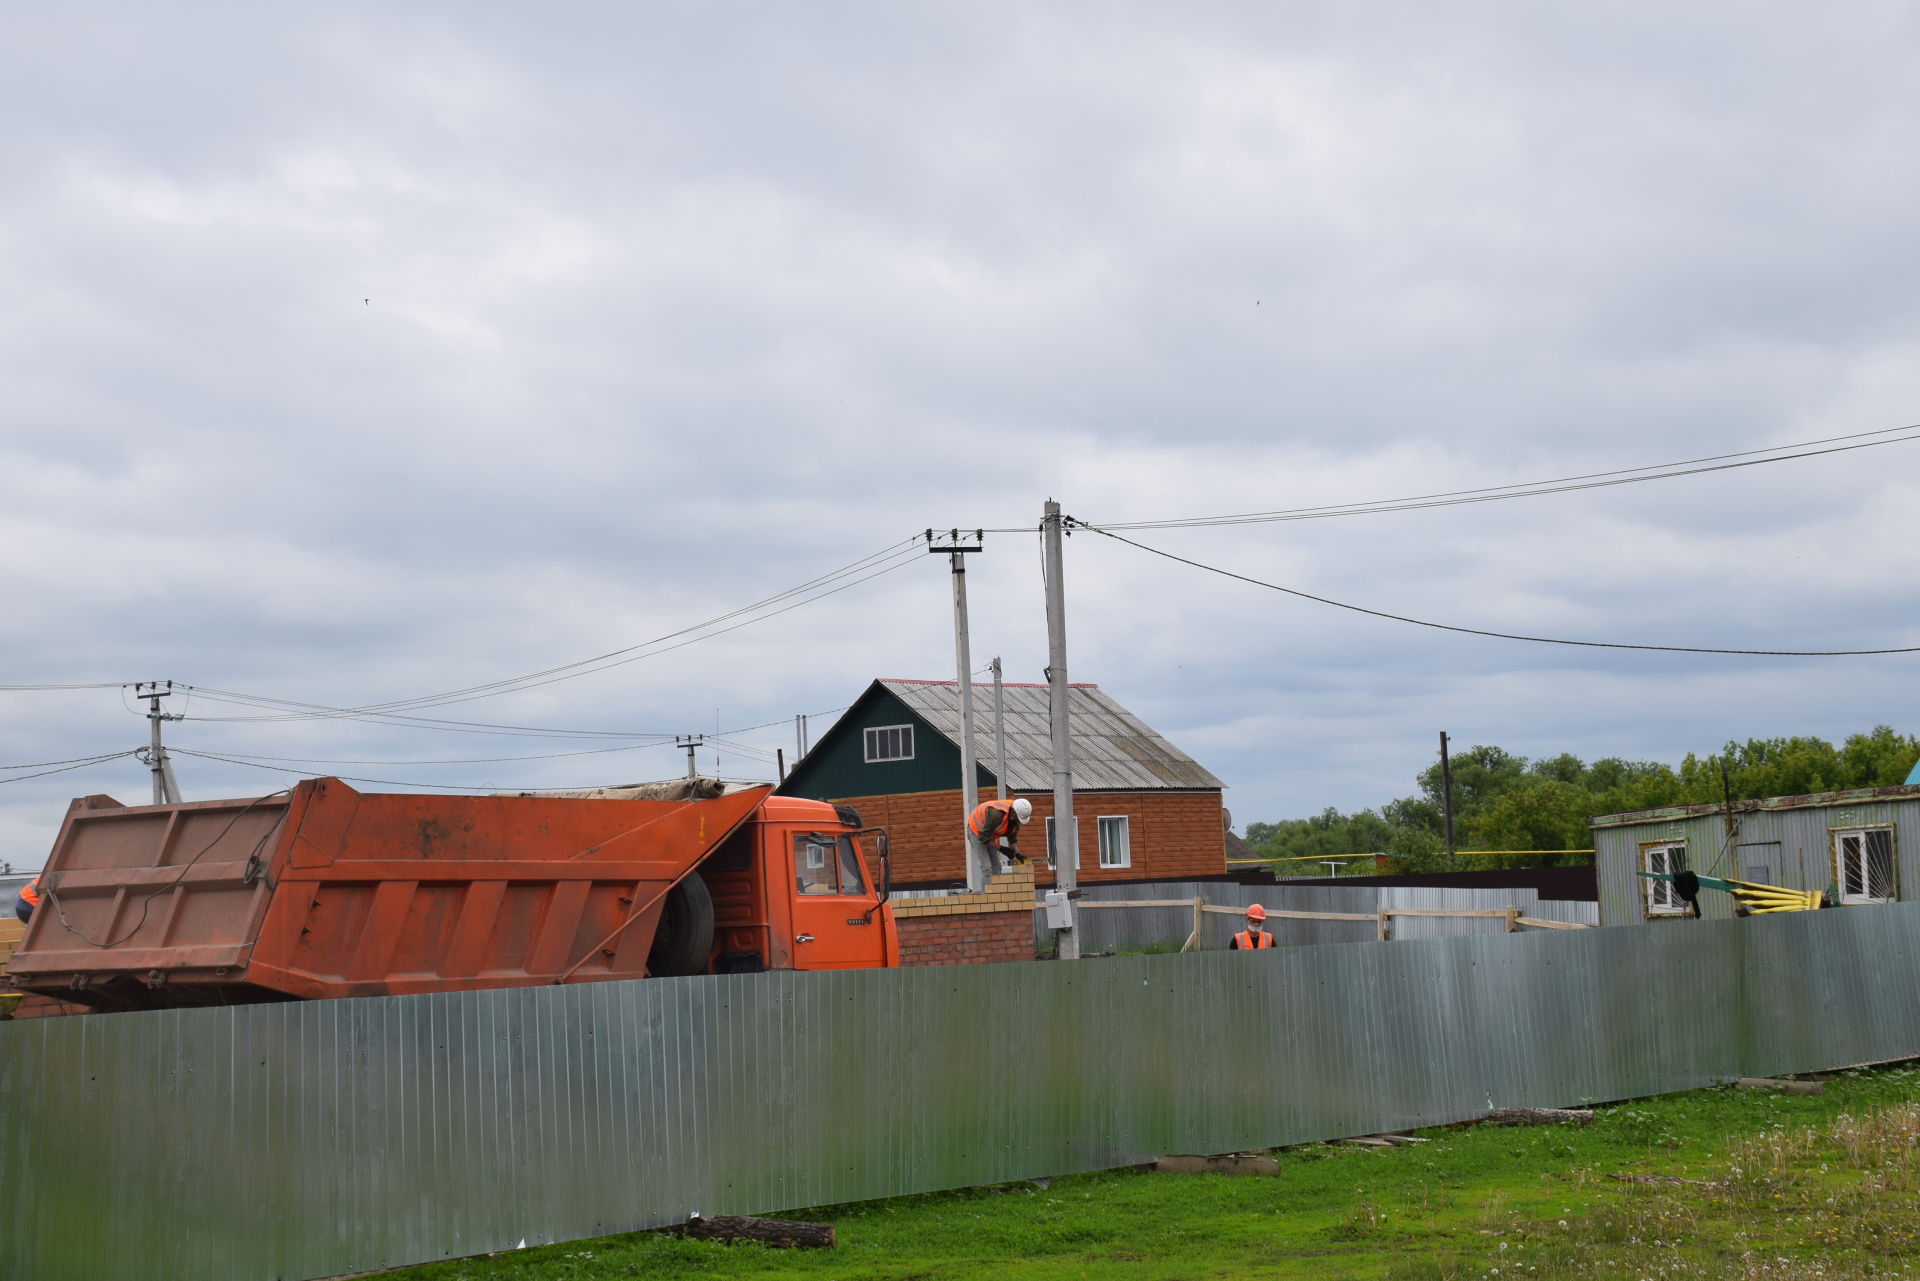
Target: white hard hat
{"x": 1023, "y": 809}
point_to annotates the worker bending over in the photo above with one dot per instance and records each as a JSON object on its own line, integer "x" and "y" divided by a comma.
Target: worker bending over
{"x": 28, "y": 900}
{"x": 1253, "y": 935}
{"x": 1000, "y": 820}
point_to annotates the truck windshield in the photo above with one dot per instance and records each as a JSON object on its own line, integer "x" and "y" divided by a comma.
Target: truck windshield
{"x": 826, "y": 864}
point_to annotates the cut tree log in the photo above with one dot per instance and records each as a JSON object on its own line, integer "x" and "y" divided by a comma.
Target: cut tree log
{"x": 791, "y": 1234}
{"x": 1236, "y": 1163}
{"x": 1785, "y": 1087}
{"x": 1539, "y": 1116}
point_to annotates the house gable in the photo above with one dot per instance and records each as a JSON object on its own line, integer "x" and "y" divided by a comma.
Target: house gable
{"x": 837, "y": 765}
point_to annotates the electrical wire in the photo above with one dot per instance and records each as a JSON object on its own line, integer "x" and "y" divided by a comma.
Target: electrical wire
{"x": 1530, "y": 489}
{"x": 69, "y": 685}
{"x": 83, "y": 764}
{"x": 1476, "y": 631}
{"x": 384, "y": 712}
{"x": 349, "y": 778}
{"x": 475, "y": 760}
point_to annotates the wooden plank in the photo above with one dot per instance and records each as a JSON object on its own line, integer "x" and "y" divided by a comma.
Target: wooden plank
{"x": 1151, "y": 902}
{"x": 1552, "y": 925}
{"x": 1500, "y": 912}
{"x": 1284, "y": 914}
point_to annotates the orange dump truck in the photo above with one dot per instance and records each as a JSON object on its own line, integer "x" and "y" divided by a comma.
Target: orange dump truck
{"x": 326, "y": 891}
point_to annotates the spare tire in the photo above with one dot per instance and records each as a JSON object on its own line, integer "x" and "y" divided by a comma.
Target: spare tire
{"x": 684, "y": 938}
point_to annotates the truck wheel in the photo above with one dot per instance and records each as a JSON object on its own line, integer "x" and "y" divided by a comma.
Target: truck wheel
{"x": 685, "y": 937}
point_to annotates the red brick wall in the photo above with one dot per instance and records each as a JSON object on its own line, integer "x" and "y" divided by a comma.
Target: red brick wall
{"x": 1174, "y": 835}
{"x": 36, "y": 1006}
{"x": 970, "y": 939}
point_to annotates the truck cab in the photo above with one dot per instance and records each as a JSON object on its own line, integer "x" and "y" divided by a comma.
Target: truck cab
{"x": 792, "y": 890}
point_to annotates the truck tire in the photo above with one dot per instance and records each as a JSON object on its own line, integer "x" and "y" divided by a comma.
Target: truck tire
{"x": 685, "y": 937}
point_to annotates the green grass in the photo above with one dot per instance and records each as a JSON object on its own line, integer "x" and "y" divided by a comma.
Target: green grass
{"x": 1779, "y": 1187}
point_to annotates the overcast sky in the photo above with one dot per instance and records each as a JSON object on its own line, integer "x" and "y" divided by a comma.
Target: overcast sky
{"x": 352, "y": 354}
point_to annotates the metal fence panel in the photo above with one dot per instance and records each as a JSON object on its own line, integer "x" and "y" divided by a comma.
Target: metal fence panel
{"x": 305, "y": 1140}
{"x": 1103, "y": 930}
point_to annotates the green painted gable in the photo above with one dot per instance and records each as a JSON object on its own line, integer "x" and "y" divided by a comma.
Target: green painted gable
{"x": 836, "y": 766}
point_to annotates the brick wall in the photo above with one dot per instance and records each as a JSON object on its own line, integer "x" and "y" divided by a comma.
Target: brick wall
{"x": 1174, "y": 835}
{"x": 35, "y": 1006}
{"x": 969, "y": 929}
{"x": 973, "y": 939}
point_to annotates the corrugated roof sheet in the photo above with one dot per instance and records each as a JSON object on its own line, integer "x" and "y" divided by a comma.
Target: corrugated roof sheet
{"x": 1113, "y": 750}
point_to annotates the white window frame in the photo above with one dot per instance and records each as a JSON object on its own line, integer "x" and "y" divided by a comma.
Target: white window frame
{"x": 872, "y": 735}
{"x": 1662, "y": 900}
{"x": 1114, "y": 853}
{"x": 1051, "y": 861}
{"x": 1861, "y": 833}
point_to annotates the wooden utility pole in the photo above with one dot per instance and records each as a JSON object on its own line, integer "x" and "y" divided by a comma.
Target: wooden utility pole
{"x": 1446, "y": 793}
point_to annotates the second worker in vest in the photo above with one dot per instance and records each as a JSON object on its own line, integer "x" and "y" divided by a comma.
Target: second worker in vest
{"x": 1253, "y": 935}
{"x": 1000, "y": 821}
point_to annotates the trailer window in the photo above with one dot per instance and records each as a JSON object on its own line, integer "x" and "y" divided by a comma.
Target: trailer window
{"x": 1668, "y": 857}
{"x": 1863, "y": 864}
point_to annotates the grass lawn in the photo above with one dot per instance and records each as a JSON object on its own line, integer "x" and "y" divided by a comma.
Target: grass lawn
{"x": 1712, "y": 1183}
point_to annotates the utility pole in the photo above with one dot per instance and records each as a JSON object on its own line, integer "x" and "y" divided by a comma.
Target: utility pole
{"x": 981, "y": 864}
{"x": 690, "y": 741}
{"x": 165, "y": 790}
{"x": 1066, "y": 834}
{"x": 999, "y": 735}
{"x": 1446, "y": 794}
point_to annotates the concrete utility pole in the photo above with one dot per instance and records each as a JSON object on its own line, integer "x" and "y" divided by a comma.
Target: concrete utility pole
{"x": 1066, "y": 834}
{"x": 165, "y": 790}
{"x": 690, "y": 741}
{"x": 981, "y": 864}
{"x": 999, "y": 734}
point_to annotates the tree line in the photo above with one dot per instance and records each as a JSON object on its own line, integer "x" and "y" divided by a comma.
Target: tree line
{"x": 1503, "y": 801}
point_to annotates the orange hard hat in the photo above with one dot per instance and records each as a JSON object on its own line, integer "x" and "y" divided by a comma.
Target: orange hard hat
{"x": 1256, "y": 913}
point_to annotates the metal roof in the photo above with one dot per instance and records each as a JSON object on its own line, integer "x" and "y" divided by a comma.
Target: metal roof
{"x": 1113, "y": 750}
{"x": 1812, "y": 800}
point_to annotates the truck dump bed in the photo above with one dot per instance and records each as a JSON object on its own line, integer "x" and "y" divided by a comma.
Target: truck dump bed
{"x": 327, "y": 891}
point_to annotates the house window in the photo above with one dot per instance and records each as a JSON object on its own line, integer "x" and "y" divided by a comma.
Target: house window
{"x": 1863, "y": 864}
{"x": 1115, "y": 850}
{"x": 1668, "y": 857}
{"x": 890, "y": 743}
{"x": 1051, "y": 861}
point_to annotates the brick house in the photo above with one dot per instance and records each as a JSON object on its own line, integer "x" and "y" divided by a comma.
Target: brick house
{"x": 1145, "y": 810}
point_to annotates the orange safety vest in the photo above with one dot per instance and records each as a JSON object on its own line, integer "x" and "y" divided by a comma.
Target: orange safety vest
{"x": 993, "y": 818}
{"x": 30, "y": 893}
{"x": 1246, "y": 939}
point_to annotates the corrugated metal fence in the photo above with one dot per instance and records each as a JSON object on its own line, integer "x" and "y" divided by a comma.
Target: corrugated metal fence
{"x": 1105, "y": 930}
{"x": 304, "y": 1140}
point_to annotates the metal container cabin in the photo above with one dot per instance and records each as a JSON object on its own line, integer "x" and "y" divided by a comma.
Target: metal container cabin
{"x": 325, "y": 891}
{"x": 1781, "y": 840}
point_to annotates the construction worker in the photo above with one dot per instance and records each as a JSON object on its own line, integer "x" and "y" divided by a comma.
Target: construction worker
{"x": 1253, "y": 935}
{"x": 1000, "y": 820}
{"x": 28, "y": 900}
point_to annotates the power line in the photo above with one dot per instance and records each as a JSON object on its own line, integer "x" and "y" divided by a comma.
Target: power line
{"x": 475, "y": 760}
{"x": 1475, "y": 631}
{"x": 384, "y": 712}
{"x": 81, "y": 763}
{"x": 68, "y": 685}
{"x": 388, "y": 782}
{"x": 1529, "y": 489}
